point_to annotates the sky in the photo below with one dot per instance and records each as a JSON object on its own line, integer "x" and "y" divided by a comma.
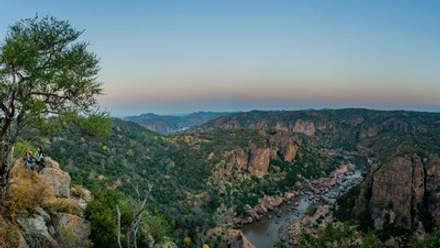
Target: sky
{"x": 174, "y": 57}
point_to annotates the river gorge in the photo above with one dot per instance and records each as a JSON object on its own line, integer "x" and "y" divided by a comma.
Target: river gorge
{"x": 274, "y": 225}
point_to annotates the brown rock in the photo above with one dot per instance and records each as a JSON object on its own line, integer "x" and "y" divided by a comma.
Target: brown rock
{"x": 68, "y": 224}
{"x": 286, "y": 144}
{"x": 59, "y": 179}
{"x": 304, "y": 127}
{"x": 392, "y": 188}
{"x": 241, "y": 158}
{"x": 50, "y": 163}
{"x": 398, "y": 187}
{"x": 259, "y": 162}
{"x": 238, "y": 238}
{"x": 289, "y": 195}
{"x": 290, "y": 152}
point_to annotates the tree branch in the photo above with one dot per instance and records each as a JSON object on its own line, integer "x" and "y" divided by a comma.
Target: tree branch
{"x": 119, "y": 227}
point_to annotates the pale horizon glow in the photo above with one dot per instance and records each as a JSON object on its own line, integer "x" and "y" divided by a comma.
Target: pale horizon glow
{"x": 171, "y": 57}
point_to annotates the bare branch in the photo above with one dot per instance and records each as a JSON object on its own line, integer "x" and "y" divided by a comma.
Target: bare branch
{"x": 119, "y": 227}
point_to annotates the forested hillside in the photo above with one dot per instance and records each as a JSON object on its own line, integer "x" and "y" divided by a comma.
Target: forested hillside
{"x": 213, "y": 175}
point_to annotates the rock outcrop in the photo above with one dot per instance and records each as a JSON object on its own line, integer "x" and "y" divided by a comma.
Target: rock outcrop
{"x": 59, "y": 179}
{"x": 403, "y": 192}
{"x": 259, "y": 162}
{"x": 49, "y": 228}
{"x": 50, "y": 163}
{"x": 304, "y": 126}
{"x": 286, "y": 144}
{"x": 36, "y": 232}
{"x": 69, "y": 224}
{"x": 432, "y": 185}
{"x": 239, "y": 240}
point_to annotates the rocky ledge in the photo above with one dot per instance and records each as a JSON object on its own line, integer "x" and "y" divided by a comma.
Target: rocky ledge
{"x": 52, "y": 227}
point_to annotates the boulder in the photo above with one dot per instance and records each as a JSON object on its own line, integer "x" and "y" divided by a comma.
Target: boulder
{"x": 289, "y": 195}
{"x": 82, "y": 196}
{"x": 42, "y": 213}
{"x": 59, "y": 179}
{"x": 50, "y": 163}
{"x": 238, "y": 238}
{"x": 35, "y": 231}
{"x": 68, "y": 226}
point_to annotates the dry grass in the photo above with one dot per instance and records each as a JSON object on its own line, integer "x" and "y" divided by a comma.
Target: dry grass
{"x": 27, "y": 192}
{"x": 78, "y": 191}
{"x": 63, "y": 205}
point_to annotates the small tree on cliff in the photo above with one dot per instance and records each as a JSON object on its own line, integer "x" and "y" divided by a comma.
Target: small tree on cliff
{"x": 45, "y": 73}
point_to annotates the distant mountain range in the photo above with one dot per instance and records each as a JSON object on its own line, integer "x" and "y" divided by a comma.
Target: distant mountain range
{"x": 166, "y": 124}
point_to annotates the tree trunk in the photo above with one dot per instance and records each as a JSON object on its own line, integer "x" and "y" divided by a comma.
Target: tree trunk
{"x": 6, "y": 160}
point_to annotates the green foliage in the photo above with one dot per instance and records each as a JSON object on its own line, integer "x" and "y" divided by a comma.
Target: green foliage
{"x": 21, "y": 147}
{"x": 429, "y": 241}
{"x": 311, "y": 210}
{"x": 101, "y": 212}
{"x": 343, "y": 236}
{"x": 346, "y": 203}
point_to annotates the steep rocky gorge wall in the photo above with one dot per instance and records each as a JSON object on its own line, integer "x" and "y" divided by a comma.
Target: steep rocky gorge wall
{"x": 404, "y": 192}
{"x": 257, "y": 159}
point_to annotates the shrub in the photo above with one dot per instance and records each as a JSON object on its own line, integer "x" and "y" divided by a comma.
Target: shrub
{"x": 68, "y": 239}
{"x": 311, "y": 210}
{"x": 63, "y": 205}
{"x": 27, "y": 192}
{"x": 78, "y": 191}
{"x": 8, "y": 234}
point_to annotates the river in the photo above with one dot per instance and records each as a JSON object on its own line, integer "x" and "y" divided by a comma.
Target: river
{"x": 265, "y": 232}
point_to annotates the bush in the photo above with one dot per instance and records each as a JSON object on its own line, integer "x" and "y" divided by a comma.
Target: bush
{"x": 78, "y": 191}
{"x": 101, "y": 212}
{"x": 27, "y": 192}
{"x": 8, "y": 234}
{"x": 311, "y": 210}
{"x": 63, "y": 205}
{"x": 68, "y": 239}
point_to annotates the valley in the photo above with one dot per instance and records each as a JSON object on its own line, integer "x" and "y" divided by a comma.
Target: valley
{"x": 236, "y": 171}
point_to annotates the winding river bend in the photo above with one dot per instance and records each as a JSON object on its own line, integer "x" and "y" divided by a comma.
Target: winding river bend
{"x": 272, "y": 228}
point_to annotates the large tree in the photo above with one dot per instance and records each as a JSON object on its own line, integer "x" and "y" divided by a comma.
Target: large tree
{"x": 45, "y": 73}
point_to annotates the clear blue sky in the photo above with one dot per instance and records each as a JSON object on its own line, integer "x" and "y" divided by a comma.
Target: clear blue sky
{"x": 182, "y": 56}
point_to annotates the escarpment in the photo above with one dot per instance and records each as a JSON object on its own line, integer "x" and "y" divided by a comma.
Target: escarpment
{"x": 403, "y": 192}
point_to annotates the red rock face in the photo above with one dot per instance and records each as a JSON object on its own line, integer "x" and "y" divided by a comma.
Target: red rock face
{"x": 259, "y": 162}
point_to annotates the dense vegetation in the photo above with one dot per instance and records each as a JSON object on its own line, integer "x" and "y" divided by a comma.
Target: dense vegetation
{"x": 189, "y": 191}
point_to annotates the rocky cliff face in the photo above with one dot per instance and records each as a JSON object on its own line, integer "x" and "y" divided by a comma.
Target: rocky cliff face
{"x": 257, "y": 159}
{"x": 52, "y": 226}
{"x": 403, "y": 192}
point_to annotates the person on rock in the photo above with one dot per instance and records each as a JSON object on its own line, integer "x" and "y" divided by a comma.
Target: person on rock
{"x": 40, "y": 158}
{"x": 29, "y": 159}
